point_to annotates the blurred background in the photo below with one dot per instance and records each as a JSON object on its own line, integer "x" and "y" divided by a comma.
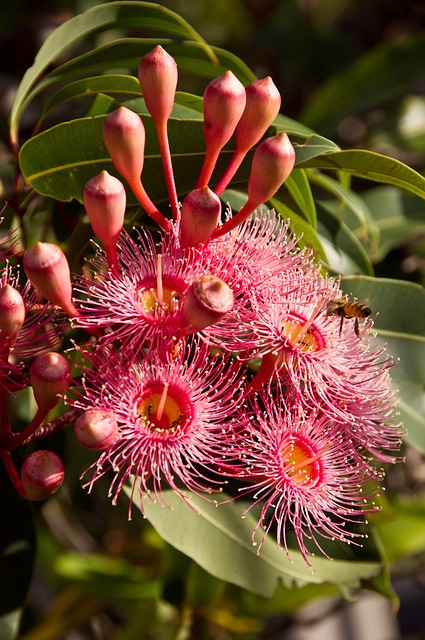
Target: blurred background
{"x": 354, "y": 71}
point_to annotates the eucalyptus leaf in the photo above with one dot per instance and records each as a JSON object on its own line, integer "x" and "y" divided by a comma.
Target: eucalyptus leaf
{"x": 368, "y": 165}
{"x": 114, "y": 15}
{"x": 400, "y": 324}
{"x": 219, "y": 540}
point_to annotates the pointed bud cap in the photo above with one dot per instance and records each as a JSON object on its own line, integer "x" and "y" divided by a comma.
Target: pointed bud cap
{"x": 206, "y": 302}
{"x": 96, "y": 429}
{"x": 200, "y": 215}
{"x": 105, "y": 202}
{"x": 12, "y": 315}
{"x": 50, "y": 376}
{"x": 262, "y": 106}
{"x": 158, "y": 80}
{"x": 272, "y": 163}
{"x": 223, "y": 104}
{"x": 46, "y": 266}
{"x": 124, "y": 137}
{"x": 42, "y": 474}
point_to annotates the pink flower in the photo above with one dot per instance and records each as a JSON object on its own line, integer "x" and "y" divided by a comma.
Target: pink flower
{"x": 305, "y": 474}
{"x": 173, "y": 419}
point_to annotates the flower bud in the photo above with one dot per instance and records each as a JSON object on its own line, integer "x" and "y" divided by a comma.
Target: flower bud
{"x": 50, "y": 376}
{"x": 12, "y": 315}
{"x": 206, "y": 302}
{"x": 223, "y": 103}
{"x": 272, "y": 163}
{"x": 158, "y": 80}
{"x": 200, "y": 214}
{"x": 124, "y": 137}
{"x": 105, "y": 202}
{"x": 42, "y": 474}
{"x": 47, "y": 268}
{"x": 262, "y": 106}
{"x": 96, "y": 429}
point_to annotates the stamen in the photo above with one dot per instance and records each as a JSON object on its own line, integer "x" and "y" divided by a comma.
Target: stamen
{"x": 162, "y": 402}
{"x": 309, "y": 322}
{"x": 159, "y": 289}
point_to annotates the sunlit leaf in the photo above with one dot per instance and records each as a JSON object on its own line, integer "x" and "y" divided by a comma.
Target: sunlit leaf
{"x": 219, "y": 540}
{"x": 401, "y": 325}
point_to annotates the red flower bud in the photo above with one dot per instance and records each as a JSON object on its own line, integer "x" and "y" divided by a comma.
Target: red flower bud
{"x": 105, "y": 202}
{"x": 42, "y": 474}
{"x": 206, "y": 302}
{"x": 224, "y": 101}
{"x": 158, "y": 80}
{"x": 124, "y": 137}
{"x": 262, "y": 106}
{"x": 272, "y": 163}
{"x": 96, "y": 429}
{"x": 12, "y": 315}
{"x": 50, "y": 376}
{"x": 47, "y": 268}
{"x": 200, "y": 214}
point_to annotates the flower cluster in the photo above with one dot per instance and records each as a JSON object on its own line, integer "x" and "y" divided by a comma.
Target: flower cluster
{"x": 218, "y": 349}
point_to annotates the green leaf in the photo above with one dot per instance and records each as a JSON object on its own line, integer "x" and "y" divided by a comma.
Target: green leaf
{"x": 345, "y": 253}
{"x": 300, "y": 190}
{"x": 402, "y": 530}
{"x": 219, "y": 540}
{"x": 110, "y": 579}
{"x": 312, "y": 147}
{"x": 370, "y": 166}
{"x": 397, "y": 216}
{"x": 120, "y": 85}
{"x": 114, "y": 15}
{"x": 401, "y": 325}
{"x": 349, "y": 207}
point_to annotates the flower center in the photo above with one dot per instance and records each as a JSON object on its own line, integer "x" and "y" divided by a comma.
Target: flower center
{"x": 163, "y": 409}
{"x": 300, "y": 462}
{"x": 160, "y": 300}
{"x": 305, "y": 338}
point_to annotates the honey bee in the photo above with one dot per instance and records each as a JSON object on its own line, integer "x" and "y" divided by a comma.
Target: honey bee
{"x": 346, "y": 309}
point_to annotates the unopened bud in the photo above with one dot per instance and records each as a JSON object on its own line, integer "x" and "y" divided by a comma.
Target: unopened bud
{"x": 105, "y": 202}
{"x": 200, "y": 215}
{"x": 223, "y": 103}
{"x": 50, "y": 376}
{"x": 272, "y": 163}
{"x": 124, "y": 137}
{"x": 158, "y": 80}
{"x": 262, "y": 106}
{"x": 96, "y": 429}
{"x": 47, "y": 268}
{"x": 206, "y": 302}
{"x": 42, "y": 474}
{"x": 12, "y": 315}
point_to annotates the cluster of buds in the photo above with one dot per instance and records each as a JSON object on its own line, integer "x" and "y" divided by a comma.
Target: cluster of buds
{"x": 220, "y": 350}
{"x": 26, "y": 334}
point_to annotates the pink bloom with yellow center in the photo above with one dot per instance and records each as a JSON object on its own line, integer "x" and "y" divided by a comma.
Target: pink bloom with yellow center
{"x": 174, "y": 419}
{"x": 305, "y": 475}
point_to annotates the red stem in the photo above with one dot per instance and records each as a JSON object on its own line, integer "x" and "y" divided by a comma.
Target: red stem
{"x": 164, "y": 149}
{"x": 12, "y": 473}
{"x": 234, "y": 222}
{"x": 233, "y": 166}
{"x": 147, "y": 204}
{"x": 210, "y": 160}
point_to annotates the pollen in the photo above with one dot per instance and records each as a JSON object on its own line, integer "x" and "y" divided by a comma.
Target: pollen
{"x": 161, "y": 410}
{"x": 301, "y": 464}
{"x": 162, "y": 300}
{"x": 304, "y": 339}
